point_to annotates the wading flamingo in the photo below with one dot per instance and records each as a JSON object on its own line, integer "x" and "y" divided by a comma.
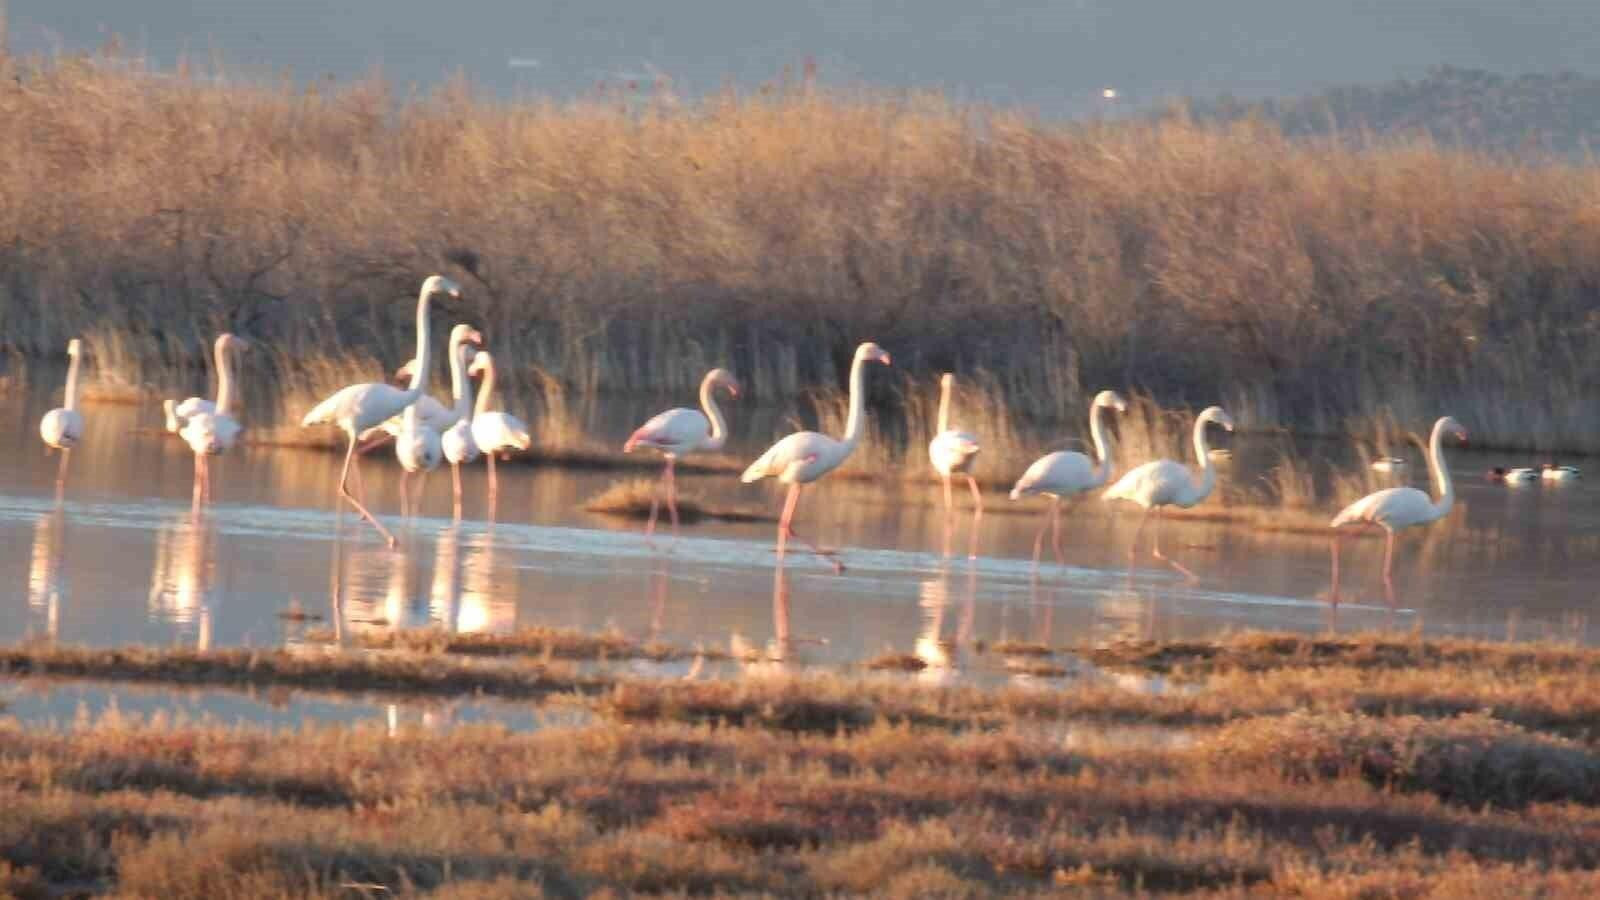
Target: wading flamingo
{"x": 460, "y": 447}
{"x": 419, "y": 446}
{"x": 213, "y": 431}
{"x": 953, "y": 451}
{"x": 1165, "y": 482}
{"x": 679, "y": 432}
{"x": 495, "y": 432}
{"x": 805, "y": 456}
{"x": 62, "y": 427}
{"x": 361, "y": 406}
{"x": 1066, "y": 473}
{"x": 1400, "y": 507}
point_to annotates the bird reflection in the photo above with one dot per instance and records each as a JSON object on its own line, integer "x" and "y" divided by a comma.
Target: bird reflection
{"x": 446, "y": 587}
{"x": 660, "y": 577}
{"x": 940, "y": 656}
{"x": 486, "y": 604}
{"x": 184, "y": 575}
{"x": 375, "y": 587}
{"x": 778, "y": 657}
{"x": 1125, "y": 615}
{"x": 46, "y": 581}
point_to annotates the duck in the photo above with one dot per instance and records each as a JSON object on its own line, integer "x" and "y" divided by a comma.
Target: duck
{"x": 1553, "y": 472}
{"x": 1513, "y": 476}
{"x": 1388, "y": 464}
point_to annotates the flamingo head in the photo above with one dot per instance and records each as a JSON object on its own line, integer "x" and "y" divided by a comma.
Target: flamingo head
{"x": 1449, "y": 426}
{"x": 229, "y": 341}
{"x": 1218, "y": 415}
{"x": 1111, "y": 400}
{"x": 74, "y": 347}
{"x": 463, "y": 333}
{"x": 946, "y": 381}
{"x": 872, "y": 352}
{"x": 481, "y": 363}
{"x": 438, "y": 284}
{"x": 404, "y": 372}
{"x": 724, "y": 379}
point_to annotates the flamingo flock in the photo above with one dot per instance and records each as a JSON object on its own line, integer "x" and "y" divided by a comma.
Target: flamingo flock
{"x": 427, "y": 434}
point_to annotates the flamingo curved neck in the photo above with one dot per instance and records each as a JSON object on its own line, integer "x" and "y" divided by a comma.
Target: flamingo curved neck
{"x": 1208, "y": 472}
{"x": 944, "y": 405}
{"x": 458, "y": 382}
{"x": 708, "y": 403}
{"x": 486, "y": 390}
{"x": 1440, "y": 472}
{"x": 72, "y": 383}
{"x": 1102, "y": 444}
{"x": 419, "y": 376}
{"x": 858, "y": 401}
{"x": 224, "y": 380}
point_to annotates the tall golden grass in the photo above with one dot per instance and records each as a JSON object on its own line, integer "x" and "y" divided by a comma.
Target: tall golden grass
{"x": 633, "y": 240}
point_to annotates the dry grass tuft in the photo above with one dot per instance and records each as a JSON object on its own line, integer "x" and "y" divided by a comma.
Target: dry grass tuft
{"x": 632, "y": 498}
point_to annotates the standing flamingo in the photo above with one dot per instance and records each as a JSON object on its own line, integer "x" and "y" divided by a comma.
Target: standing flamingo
{"x": 214, "y": 430}
{"x": 62, "y": 427}
{"x": 954, "y": 451}
{"x": 1165, "y": 482}
{"x": 419, "y": 446}
{"x": 495, "y": 432}
{"x": 805, "y": 456}
{"x": 1066, "y": 473}
{"x": 361, "y": 406}
{"x": 679, "y": 432}
{"x": 459, "y": 446}
{"x": 1400, "y": 507}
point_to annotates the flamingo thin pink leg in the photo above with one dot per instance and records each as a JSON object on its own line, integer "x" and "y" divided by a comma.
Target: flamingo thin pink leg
{"x": 672, "y": 493}
{"x": 1133, "y": 548}
{"x": 977, "y": 517}
{"x": 1038, "y": 539}
{"x": 787, "y": 527}
{"x": 455, "y": 480}
{"x": 655, "y": 507}
{"x": 1155, "y": 550}
{"x": 61, "y": 474}
{"x": 783, "y": 520}
{"x": 1388, "y": 568}
{"x": 344, "y": 491}
{"x": 1055, "y": 531}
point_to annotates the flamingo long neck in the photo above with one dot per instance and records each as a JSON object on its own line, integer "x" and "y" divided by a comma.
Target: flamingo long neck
{"x": 224, "y": 379}
{"x": 708, "y": 402}
{"x": 419, "y": 375}
{"x": 1440, "y": 473}
{"x": 458, "y": 382}
{"x": 1102, "y": 444}
{"x": 1208, "y": 472}
{"x": 944, "y": 405}
{"x": 853, "y": 425}
{"x": 486, "y": 390}
{"x": 72, "y": 382}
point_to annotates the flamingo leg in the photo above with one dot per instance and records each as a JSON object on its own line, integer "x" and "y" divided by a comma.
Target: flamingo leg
{"x": 494, "y": 481}
{"x": 455, "y": 480}
{"x": 1333, "y": 544}
{"x": 672, "y": 493}
{"x": 1155, "y": 550}
{"x": 789, "y": 503}
{"x": 977, "y": 516}
{"x": 655, "y": 507}
{"x": 1133, "y": 548}
{"x": 1038, "y": 539}
{"x": 405, "y": 493}
{"x": 344, "y": 491}
{"x": 61, "y": 473}
{"x": 199, "y": 481}
{"x": 1055, "y": 531}
{"x": 416, "y": 500}
{"x": 1388, "y": 568}
{"x": 949, "y": 511}
{"x": 786, "y": 527}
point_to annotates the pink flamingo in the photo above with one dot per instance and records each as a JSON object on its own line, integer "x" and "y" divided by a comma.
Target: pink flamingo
{"x": 805, "y": 456}
{"x": 62, "y": 427}
{"x": 953, "y": 451}
{"x": 1166, "y": 482}
{"x": 358, "y": 407}
{"x": 679, "y": 432}
{"x": 420, "y": 446}
{"x": 495, "y": 432}
{"x": 211, "y": 429}
{"x": 1066, "y": 473}
{"x": 1400, "y": 507}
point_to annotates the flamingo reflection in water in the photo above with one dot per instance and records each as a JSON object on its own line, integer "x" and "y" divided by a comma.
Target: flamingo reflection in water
{"x": 468, "y": 595}
{"x": 941, "y": 658}
{"x": 46, "y": 578}
{"x": 184, "y": 576}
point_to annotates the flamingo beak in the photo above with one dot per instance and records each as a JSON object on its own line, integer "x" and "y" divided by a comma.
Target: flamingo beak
{"x": 733, "y": 388}
{"x": 476, "y": 337}
{"x": 885, "y": 358}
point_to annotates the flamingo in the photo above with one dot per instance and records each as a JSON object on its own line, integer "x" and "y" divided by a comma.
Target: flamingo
{"x": 62, "y": 427}
{"x": 1400, "y": 507}
{"x": 419, "y": 446}
{"x": 459, "y": 445}
{"x": 1553, "y": 472}
{"x": 210, "y": 428}
{"x": 1066, "y": 473}
{"x": 679, "y": 432}
{"x": 953, "y": 451}
{"x": 358, "y": 407}
{"x": 805, "y": 456}
{"x": 1166, "y": 482}
{"x": 495, "y": 432}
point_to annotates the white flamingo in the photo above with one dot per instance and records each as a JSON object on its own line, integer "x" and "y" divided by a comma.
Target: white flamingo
{"x": 495, "y": 432}
{"x": 212, "y": 429}
{"x": 1067, "y": 473}
{"x": 1400, "y": 507}
{"x": 1165, "y": 482}
{"x": 805, "y": 456}
{"x": 62, "y": 427}
{"x": 361, "y": 406}
{"x": 953, "y": 451}
{"x": 460, "y": 447}
{"x": 419, "y": 446}
{"x": 679, "y": 432}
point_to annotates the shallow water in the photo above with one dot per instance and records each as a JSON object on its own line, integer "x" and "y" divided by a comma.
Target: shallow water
{"x": 122, "y": 560}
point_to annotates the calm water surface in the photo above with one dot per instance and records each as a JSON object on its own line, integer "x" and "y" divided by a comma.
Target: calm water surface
{"x": 122, "y": 560}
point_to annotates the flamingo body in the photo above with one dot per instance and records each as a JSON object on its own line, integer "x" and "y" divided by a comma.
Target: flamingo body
{"x": 500, "y": 432}
{"x": 1161, "y": 482}
{"x": 1059, "y": 474}
{"x": 681, "y": 431}
{"x": 209, "y": 434}
{"x": 179, "y": 413}
{"x": 1391, "y": 508}
{"x": 419, "y": 448}
{"x": 458, "y": 444}
{"x": 62, "y": 428}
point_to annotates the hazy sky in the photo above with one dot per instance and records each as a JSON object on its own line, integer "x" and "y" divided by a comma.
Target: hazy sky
{"x": 1054, "y": 55}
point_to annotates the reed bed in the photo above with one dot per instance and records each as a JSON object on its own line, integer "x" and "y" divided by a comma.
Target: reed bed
{"x": 1308, "y": 766}
{"x": 633, "y": 239}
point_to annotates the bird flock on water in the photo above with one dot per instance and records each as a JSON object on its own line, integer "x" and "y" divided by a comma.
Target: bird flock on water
{"x": 427, "y": 433}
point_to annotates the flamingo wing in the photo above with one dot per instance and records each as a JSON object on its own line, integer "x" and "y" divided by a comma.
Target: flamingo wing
{"x": 458, "y": 444}
{"x": 210, "y": 433}
{"x": 61, "y": 428}
{"x": 1392, "y": 508}
{"x": 952, "y": 450}
{"x": 497, "y": 431}
{"x": 1156, "y": 483}
{"x": 1060, "y": 474}
{"x": 674, "y": 431}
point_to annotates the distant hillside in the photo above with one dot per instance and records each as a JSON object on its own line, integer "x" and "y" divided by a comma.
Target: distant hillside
{"x": 1557, "y": 114}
